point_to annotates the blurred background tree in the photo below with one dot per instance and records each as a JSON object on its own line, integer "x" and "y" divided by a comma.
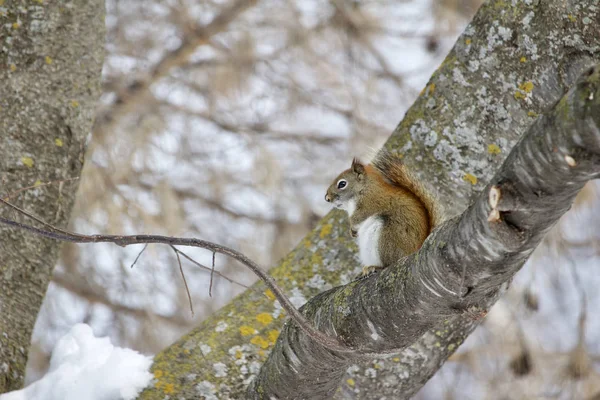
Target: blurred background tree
{"x": 232, "y": 133}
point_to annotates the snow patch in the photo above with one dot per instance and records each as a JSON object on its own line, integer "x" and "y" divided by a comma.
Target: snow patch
{"x": 86, "y": 367}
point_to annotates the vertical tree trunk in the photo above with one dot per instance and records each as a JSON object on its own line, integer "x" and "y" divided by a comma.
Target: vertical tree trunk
{"x": 51, "y": 55}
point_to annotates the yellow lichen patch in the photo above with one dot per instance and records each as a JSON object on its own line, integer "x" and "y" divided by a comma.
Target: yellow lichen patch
{"x": 431, "y": 88}
{"x": 269, "y": 294}
{"x": 527, "y": 87}
{"x": 37, "y": 183}
{"x": 158, "y": 373}
{"x": 524, "y": 88}
{"x": 325, "y": 230}
{"x": 48, "y": 60}
{"x": 523, "y": 59}
{"x": 168, "y": 388}
{"x": 316, "y": 259}
{"x": 27, "y": 161}
{"x": 58, "y": 142}
{"x": 238, "y": 355}
{"x": 273, "y": 335}
{"x": 74, "y": 103}
{"x": 468, "y": 41}
{"x": 451, "y": 346}
{"x": 350, "y": 382}
{"x": 396, "y": 359}
{"x": 260, "y": 341}
{"x": 470, "y": 178}
{"x": 532, "y": 114}
{"x": 494, "y": 149}
{"x": 264, "y": 318}
{"x": 423, "y": 91}
{"x": 571, "y": 18}
{"x": 247, "y": 330}
{"x": 16, "y": 25}
{"x": 13, "y": 67}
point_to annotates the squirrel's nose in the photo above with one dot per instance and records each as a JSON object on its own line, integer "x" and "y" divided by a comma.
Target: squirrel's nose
{"x": 327, "y": 198}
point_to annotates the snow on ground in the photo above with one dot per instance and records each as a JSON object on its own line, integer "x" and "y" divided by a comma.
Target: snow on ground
{"x": 86, "y": 367}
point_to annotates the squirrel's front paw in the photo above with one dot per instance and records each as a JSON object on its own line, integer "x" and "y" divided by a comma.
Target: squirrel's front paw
{"x": 370, "y": 269}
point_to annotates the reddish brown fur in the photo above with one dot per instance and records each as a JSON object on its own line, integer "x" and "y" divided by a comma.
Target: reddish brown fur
{"x": 387, "y": 190}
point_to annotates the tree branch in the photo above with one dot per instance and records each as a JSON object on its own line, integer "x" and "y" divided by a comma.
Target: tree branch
{"x": 135, "y": 93}
{"x": 52, "y": 232}
{"x": 461, "y": 267}
{"x": 459, "y": 130}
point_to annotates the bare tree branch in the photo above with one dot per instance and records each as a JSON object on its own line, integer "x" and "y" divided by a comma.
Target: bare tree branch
{"x": 134, "y": 93}
{"x": 462, "y": 266}
{"x": 123, "y": 241}
{"x": 211, "y": 270}
{"x": 187, "y": 289}
{"x": 139, "y": 255}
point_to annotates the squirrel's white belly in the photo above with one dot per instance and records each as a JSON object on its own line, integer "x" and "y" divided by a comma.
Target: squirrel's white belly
{"x": 369, "y": 232}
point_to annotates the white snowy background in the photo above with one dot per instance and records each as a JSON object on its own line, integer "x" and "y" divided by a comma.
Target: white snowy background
{"x": 237, "y": 145}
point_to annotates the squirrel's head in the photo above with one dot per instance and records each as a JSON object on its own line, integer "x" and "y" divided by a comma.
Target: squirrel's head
{"x": 342, "y": 192}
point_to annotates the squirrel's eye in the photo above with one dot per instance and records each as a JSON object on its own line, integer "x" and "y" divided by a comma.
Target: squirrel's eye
{"x": 342, "y": 184}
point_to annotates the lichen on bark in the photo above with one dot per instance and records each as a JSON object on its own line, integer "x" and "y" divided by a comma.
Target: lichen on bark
{"x": 51, "y": 57}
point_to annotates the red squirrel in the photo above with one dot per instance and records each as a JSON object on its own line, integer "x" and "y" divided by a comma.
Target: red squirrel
{"x": 390, "y": 212}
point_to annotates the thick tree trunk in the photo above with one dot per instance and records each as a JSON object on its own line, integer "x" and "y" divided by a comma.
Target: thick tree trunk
{"x": 512, "y": 63}
{"x": 463, "y": 265}
{"x": 51, "y": 55}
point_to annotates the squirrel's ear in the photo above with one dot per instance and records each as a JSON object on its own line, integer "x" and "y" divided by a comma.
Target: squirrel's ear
{"x": 357, "y": 167}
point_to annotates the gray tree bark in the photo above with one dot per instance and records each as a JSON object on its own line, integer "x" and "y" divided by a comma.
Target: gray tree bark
{"x": 51, "y": 55}
{"x": 461, "y": 268}
{"x": 514, "y": 61}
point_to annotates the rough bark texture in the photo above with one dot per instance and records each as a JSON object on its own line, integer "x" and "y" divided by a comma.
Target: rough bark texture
{"x": 51, "y": 55}
{"x": 462, "y": 266}
{"x": 515, "y": 60}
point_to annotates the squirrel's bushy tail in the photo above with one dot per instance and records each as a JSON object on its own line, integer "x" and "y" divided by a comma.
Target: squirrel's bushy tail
{"x": 392, "y": 168}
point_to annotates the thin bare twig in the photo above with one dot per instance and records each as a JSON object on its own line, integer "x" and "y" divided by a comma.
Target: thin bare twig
{"x": 209, "y": 269}
{"x": 47, "y": 225}
{"x": 138, "y": 256}
{"x": 13, "y": 194}
{"x": 212, "y": 271}
{"x": 323, "y": 339}
{"x": 187, "y": 289}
